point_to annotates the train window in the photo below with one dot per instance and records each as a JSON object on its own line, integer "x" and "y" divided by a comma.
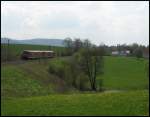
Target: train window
{"x": 49, "y": 54}
{"x": 25, "y": 52}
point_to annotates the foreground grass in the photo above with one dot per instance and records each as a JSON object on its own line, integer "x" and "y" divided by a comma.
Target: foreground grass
{"x": 122, "y": 103}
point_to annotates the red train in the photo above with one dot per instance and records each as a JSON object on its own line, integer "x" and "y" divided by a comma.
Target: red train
{"x": 35, "y": 54}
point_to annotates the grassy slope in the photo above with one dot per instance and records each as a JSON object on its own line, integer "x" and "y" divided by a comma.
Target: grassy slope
{"x": 124, "y": 73}
{"x": 18, "y": 82}
{"x": 123, "y": 103}
{"x": 28, "y": 79}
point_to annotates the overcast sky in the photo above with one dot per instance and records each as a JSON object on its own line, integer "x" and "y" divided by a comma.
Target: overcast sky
{"x": 110, "y": 22}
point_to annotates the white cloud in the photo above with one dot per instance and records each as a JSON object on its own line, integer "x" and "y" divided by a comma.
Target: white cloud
{"x": 100, "y": 21}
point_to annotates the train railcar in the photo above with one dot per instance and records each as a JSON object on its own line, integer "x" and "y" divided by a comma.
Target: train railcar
{"x": 36, "y": 54}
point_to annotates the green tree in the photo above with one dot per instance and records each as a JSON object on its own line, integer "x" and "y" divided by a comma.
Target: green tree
{"x": 138, "y": 53}
{"x": 90, "y": 62}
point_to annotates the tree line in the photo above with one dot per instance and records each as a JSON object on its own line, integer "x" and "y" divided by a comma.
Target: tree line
{"x": 136, "y": 50}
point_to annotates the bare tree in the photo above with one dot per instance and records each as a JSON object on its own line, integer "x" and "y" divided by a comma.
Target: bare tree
{"x": 69, "y": 45}
{"x": 77, "y": 44}
{"x": 87, "y": 43}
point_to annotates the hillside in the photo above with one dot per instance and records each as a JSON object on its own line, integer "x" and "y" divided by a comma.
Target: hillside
{"x": 29, "y": 78}
{"x": 36, "y": 41}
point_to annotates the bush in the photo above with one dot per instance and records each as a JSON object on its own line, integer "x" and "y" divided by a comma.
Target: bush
{"x": 67, "y": 70}
{"x": 138, "y": 53}
{"x": 82, "y": 82}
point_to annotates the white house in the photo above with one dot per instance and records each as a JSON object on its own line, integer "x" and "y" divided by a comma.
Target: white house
{"x": 121, "y": 53}
{"x": 115, "y": 52}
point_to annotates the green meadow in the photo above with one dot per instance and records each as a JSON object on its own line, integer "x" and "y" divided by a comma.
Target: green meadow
{"x": 125, "y": 73}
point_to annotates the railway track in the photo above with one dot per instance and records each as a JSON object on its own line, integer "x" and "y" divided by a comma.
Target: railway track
{"x": 21, "y": 61}
{"x": 14, "y": 62}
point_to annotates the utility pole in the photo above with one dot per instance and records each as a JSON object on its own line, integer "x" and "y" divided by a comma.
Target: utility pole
{"x": 50, "y": 47}
{"x": 39, "y": 57}
{"x": 8, "y": 50}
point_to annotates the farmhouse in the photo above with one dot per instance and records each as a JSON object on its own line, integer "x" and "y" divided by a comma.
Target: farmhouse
{"x": 33, "y": 54}
{"x": 121, "y": 53}
{"x": 115, "y": 52}
{"x": 146, "y": 53}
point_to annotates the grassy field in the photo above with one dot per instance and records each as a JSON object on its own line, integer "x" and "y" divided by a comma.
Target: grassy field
{"x": 123, "y": 103}
{"x": 29, "y": 89}
{"x": 124, "y": 73}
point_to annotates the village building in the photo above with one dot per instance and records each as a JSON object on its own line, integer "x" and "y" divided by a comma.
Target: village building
{"x": 146, "y": 53}
{"x": 120, "y": 53}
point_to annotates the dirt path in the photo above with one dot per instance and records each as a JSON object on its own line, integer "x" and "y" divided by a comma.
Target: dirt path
{"x": 113, "y": 91}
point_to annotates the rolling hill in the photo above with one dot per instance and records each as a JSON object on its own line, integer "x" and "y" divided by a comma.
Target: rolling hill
{"x": 36, "y": 41}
